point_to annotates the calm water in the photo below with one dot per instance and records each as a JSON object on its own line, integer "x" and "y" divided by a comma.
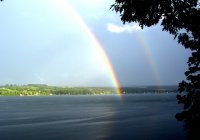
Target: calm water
{"x": 135, "y": 117}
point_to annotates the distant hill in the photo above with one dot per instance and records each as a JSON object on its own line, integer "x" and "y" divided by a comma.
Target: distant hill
{"x": 45, "y": 90}
{"x": 150, "y": 89}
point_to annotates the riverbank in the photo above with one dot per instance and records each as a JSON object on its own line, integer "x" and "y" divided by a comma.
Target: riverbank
{"x": 45, "y": 90}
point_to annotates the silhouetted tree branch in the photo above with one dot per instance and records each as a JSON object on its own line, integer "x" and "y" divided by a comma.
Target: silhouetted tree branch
{"x": 181, "y": 19}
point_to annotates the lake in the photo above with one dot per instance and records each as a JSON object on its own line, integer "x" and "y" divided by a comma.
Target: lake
{"x": 87, "y": 117}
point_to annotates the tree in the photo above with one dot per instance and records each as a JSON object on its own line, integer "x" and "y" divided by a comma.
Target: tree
{"x": 181, "y": 19}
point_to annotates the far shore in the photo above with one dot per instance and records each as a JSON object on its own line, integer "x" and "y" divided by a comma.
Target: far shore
{"x": 45, "y": 90}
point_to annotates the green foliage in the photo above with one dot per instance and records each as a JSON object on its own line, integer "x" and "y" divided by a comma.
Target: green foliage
{"x": 181, "y": 19}
{"x": 44, "y": 90}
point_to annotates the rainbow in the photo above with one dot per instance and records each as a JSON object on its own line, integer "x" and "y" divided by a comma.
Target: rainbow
{"x": 68, "y": 9}
{"x": 149, "y": 58}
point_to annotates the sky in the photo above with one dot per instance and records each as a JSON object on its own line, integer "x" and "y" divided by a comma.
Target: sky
{"x": 53, "y": 42}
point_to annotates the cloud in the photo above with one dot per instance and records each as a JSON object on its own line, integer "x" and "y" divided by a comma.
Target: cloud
{"x": 120, "y": 29}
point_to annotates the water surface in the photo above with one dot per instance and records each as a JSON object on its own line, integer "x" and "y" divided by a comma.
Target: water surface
{"x": 100, "y": 117}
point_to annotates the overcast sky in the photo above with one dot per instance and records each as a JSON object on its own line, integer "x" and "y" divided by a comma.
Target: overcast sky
{"x": 42, "y": 43}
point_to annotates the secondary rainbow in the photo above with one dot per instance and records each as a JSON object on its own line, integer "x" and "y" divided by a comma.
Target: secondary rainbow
{"x": 149, "y": 58}
{"x": 68, "y": 8}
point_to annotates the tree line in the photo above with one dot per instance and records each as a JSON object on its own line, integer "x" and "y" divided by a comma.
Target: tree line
{"x": 44, "y": 90}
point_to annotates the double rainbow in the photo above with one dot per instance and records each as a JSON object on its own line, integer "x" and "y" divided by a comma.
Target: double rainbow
{"x": 69, "y": 10}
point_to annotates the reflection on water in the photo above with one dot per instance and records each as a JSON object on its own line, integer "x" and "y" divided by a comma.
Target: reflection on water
{"x": 139, "y": 117}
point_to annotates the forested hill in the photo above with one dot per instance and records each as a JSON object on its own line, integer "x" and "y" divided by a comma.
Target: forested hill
{"x": 150, "y": 89}
{"x": 45, "y": 90}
